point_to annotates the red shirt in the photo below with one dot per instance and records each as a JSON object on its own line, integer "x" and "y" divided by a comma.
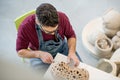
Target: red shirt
{"x": 27, "y": 35}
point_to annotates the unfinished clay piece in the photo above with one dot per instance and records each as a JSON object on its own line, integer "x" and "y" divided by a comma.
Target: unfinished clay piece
{"x": 107, "y": 66}
{"x": 112, "y": 19}
{"x": 111, "y": 22}
{"x": 61, "y": 71}
{"x": 103, "y": 46}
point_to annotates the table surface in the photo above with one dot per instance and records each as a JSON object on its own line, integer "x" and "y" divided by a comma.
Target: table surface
{"x": 94, "y": 73}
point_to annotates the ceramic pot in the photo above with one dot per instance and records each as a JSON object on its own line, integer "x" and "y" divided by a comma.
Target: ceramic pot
{"x": 112, "y": 20}
{"x": 103, "y": 47}
{"x": 107, "y": 66}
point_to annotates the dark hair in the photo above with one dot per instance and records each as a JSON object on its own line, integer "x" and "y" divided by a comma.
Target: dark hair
{"x": 47, "y": 15}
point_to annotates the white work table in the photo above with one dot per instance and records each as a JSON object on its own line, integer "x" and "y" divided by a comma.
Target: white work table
{"x": 94, "y": 73}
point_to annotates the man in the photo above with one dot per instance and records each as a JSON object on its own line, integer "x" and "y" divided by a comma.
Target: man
{"x": 44, "y": 33}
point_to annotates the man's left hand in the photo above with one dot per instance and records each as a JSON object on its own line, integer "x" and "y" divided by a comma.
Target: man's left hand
{"x": 74, "y": 57}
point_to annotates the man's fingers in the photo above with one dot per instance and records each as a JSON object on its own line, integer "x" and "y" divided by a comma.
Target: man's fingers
{"x": 68, "y": 60}
{"x": 49, "y": 59}
{"x": 77, "y": 63}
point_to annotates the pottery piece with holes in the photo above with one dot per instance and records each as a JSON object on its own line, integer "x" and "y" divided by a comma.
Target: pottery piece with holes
{"x": 61, "y": 71}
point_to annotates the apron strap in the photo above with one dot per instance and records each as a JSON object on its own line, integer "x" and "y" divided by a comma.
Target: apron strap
{"x": 39, "y": 33}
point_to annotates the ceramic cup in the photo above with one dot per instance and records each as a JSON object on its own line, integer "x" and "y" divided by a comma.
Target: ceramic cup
{"x": 103, "y": 47}
{"x": 107, "y": 66}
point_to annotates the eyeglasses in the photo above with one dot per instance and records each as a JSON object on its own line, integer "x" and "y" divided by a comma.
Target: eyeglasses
{"x": 48, "y": 32}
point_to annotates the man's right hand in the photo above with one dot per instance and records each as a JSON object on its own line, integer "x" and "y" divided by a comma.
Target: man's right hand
{"x": 44, "y": 56}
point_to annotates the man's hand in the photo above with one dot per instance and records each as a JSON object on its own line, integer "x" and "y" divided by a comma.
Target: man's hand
{"x": 44, "y": 56}
{"x": 74, "y": 57}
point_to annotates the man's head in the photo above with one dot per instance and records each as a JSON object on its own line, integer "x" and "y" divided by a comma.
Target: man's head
{"x": 47, "y": 15}
{"x": 47, "y": 18}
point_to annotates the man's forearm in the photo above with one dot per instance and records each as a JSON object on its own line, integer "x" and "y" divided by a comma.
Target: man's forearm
{"x": 72, "y": 45}
{"x": 25, "y": 53}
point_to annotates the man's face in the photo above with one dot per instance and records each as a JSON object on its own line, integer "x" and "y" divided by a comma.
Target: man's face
{"x": 49, "y": 29}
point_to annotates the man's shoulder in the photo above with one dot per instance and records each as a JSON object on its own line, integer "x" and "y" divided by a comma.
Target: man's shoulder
{"x": 61, "y": 14}
{"x": 28, "y": 23}
{"x": 29, "y": 20}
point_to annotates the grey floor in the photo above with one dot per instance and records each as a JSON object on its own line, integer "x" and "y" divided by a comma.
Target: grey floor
{"x": 80, "y": 12}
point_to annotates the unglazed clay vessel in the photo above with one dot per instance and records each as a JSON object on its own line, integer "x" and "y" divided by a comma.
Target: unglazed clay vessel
{"x": 116, "y": 57}
{"x": 112, "y": 19}
{"x": 103, "y": 47}
{"x": 111, "y": 22}
{"x": 107, "y": 66}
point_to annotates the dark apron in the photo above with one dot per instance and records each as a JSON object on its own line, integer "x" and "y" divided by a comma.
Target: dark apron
{"x": 51, "y": 46}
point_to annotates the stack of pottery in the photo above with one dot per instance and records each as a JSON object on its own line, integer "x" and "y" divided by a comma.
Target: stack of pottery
{"x": 111, "y": 28}
{"x": 107, "y": 42}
